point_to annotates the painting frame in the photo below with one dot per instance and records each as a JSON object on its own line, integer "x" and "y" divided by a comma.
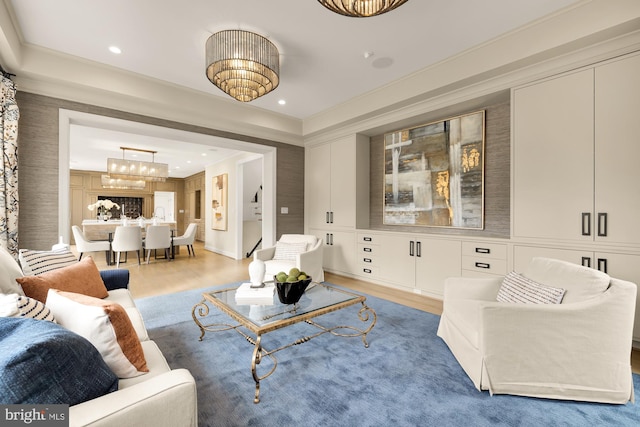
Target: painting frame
{"x": 219, "y": 199}
{"x": 433, "y": 174}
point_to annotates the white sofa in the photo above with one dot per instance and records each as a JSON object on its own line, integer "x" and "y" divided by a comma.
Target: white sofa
{"x": 577, "y": 350}
{"x": 161, "y": 397}
{"x": 303, "y": 251}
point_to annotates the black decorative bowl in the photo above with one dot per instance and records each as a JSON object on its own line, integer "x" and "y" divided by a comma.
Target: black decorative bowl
{"x": 291, "y": 292}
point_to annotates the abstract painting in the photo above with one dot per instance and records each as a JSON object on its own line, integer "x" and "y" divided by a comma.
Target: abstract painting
{"x": 434, "y": 174}
{"x": 219, "y": 202}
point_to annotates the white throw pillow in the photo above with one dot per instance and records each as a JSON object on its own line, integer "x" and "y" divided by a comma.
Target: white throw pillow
{"x": 9, "y": 272}
{"x": 38, "y": 262}
{"x": 288, "y": 251}
{"x": 581, "y": 283}
{"x": 519, "y": 289}
{"x": 106, "y": 325}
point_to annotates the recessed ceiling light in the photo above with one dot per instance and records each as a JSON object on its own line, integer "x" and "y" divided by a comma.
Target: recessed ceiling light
{"x": 115, "y": 49}
{"x": 188, "y": 161}
{"x": 204, "y": 154}
{"x": 282, "y": 102}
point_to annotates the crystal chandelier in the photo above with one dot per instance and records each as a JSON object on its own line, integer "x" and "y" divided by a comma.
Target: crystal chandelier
{"x": 361, "y": 8}
{"x": 137, "y": 170}
{"x": 244, "y": 65}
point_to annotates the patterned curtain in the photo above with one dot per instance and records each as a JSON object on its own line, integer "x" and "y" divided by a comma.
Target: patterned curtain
{"x": 9, "y": 167}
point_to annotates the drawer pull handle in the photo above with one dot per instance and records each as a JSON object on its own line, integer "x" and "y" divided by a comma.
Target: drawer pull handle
{"x": 367, "y": 239}
{"x": 483, "y": 265}
{"x": 367, "y": 249}
{"x": 367, "y": 260}
{"x": 483, "y": 250}
{"x": 586, "y": 261}
{"x": 602, "y": 224}
{"x": 602, "y": 264}
{"x": 586, "y": 223}
{"x": 366, "y": 270}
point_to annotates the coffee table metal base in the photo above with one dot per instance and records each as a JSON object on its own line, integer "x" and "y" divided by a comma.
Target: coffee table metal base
{"x": 201, "y": 310}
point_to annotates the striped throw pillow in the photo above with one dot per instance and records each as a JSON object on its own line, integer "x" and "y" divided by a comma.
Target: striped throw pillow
{"x": 288, "y": 251}
{"x": 14, "y": 305}
{"x": 34, "y": 263}
{"x": 519, "y": 289}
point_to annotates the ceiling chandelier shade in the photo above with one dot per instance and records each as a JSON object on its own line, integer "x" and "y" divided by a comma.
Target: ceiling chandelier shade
{"x": 361, "y": 8}
{"x": 119, "y": 183}
{"x": 242, "y": 64}
{"x": 137, "y": 170}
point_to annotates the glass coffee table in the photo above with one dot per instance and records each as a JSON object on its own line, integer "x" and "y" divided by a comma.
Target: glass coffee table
{"x": 254, "y": 321}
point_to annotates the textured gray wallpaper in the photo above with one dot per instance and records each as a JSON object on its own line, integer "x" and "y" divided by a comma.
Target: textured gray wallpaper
{"x": 38, "y": 167}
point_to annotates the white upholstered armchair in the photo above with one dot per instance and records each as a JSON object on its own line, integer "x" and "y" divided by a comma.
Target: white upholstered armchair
{"x": 576, "y": 350}
{"x": 303, "y": 251}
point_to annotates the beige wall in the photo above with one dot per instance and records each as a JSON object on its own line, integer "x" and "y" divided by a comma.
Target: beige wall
{"x": 38, "y": 170}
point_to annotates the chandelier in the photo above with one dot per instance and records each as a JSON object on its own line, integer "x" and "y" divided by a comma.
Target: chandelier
{"x": 361, "y": 8}
{"x": 119, "y": 183}
{"x": 137, "y": 170}
{"x": 244, "y": 65}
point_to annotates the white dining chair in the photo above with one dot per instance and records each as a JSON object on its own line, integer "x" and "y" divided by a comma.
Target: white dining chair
{"x": 158, "y": 237}
{"x": 187, "y": 238}
{"x": 85, "y": 245}
{"x": 125, "y": 239}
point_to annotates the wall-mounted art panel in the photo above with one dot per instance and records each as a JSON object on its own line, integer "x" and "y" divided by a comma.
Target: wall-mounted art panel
{"x": 219, "y": 202}
{"x": 434, "y": 174}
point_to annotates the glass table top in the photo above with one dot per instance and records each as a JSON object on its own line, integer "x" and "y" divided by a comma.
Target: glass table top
{"x": 317, "y": 299}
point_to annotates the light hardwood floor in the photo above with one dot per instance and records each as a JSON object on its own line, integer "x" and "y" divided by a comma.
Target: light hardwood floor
{"x": 210, "y": 269}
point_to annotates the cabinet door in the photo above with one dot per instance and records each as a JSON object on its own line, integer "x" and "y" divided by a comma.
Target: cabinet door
{"x": 522, "y": 256}
{"x": 617, "y": 149}
{"x": 397, "y": 255}
{"x": 553, "y": 158}
{"x": 436, "y": 260}
{"x": 318, "y": 184}
{"x": 625, "y": 267}
{"x": 343, "y": 183}
{"x": 339, "y": 254}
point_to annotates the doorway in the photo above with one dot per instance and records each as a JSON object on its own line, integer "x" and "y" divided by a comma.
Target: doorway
{"x": 267, "y": 153}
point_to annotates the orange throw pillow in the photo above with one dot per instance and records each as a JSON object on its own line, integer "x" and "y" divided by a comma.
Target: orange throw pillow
{"x": 82, "y": 278}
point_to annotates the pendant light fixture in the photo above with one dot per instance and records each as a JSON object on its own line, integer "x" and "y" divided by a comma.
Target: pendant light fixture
{"x": 361, "y": 8}
{"x": 242, "y": 64}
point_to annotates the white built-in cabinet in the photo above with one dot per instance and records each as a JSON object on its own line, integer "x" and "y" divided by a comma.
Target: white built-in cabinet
{"x": 575, "y": 152}
{"x": 337, "y": 197}
{"x": 576, "y": 143}
{"x": 411, "y": 261}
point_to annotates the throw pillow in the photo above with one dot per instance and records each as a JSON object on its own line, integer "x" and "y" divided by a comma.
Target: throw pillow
{"x": 82, "y": 277}
{"x": 288, "y": 251}
{"x": 14, "y": 305}
{"x": 581, "y": 283}
{"x": 44, "y": 363}
{"x": 106, "y": 325}
{"x": 38, "y": 262}
{"x": 9, "y": 272}
{"x": 519, "y": 289}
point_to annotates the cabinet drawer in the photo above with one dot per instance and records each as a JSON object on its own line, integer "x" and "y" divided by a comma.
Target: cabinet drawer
{"x": 484, "y": 250}
{"x": 368, "y": 250}
{"x": 368, "y": 239}
{"x": 365, "y": 270}
{"x": 368, "y": 260}
{"x": 484, "y": 265}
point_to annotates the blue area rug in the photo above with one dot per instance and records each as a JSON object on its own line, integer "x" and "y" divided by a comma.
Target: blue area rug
{"x": 407, "y": 376}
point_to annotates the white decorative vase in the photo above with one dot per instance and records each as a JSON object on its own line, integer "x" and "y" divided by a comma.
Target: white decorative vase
{"x": 257, "y": 268}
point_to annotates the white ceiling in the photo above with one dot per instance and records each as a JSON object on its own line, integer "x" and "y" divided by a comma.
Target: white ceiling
{"x": 322, "y": 54}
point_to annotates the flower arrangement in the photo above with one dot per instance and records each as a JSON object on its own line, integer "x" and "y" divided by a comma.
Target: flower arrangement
{"x": 103, "y": 206}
